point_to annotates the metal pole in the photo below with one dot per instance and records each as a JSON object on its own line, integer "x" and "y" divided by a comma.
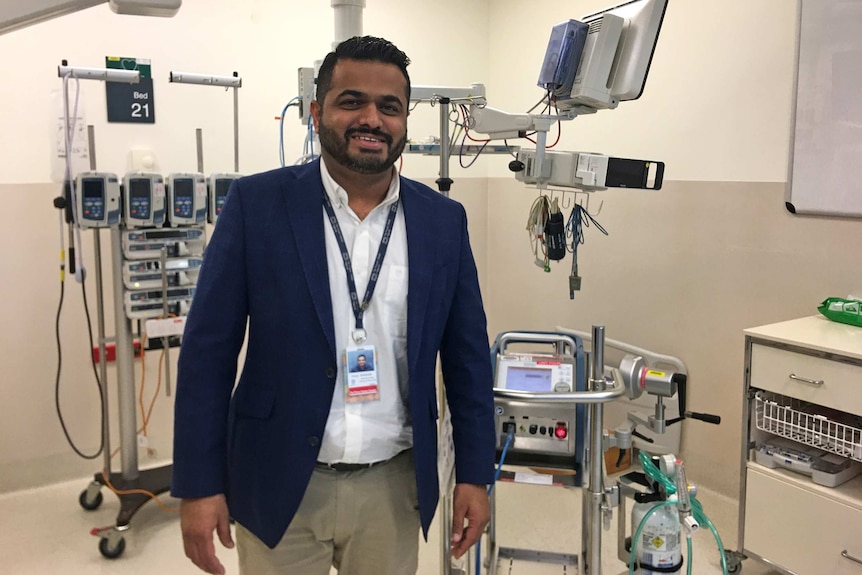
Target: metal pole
{"x": 593, "y": 547}
{"x": 445, "y": 534}
{"x": 166, "y": 341}
{"x": 100, "y": 319}
{"x": 445, "y": 182}
{"x": 236, "y": 127}
{"x": 125, "y": 365}
{"x": 199, "y": 143}
{"x": 67, "y": 177}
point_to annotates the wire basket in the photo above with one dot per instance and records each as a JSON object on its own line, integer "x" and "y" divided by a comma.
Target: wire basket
{"x": 821, "y": 427}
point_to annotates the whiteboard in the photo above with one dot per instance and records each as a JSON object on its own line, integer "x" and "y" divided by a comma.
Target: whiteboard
{"x": 826, "y": 152}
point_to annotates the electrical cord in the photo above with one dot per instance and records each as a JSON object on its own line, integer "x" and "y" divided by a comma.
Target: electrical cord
{"x": 69, "y": 129}
{"x": 295, "y": 101}
{"x": 59, "y": 371}
{"x": 578, "y": 220}
{"x": 536, "y": 221}
{"x": 145, "y": 418}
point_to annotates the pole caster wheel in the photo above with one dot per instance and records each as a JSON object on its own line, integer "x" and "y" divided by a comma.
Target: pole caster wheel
{"x": 733, "y": 559}
{"x": 89, "y": 501}
{"x": 112, "y": 550}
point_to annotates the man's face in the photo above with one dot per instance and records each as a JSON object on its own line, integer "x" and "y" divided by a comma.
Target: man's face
{"x": 360, "y": 362}
{"x": 363, "y": 121}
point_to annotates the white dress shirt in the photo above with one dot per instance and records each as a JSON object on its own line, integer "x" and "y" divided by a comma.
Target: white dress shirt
{"x": 368, "y": 431}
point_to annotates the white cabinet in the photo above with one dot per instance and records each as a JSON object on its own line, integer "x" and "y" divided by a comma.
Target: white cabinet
{"x": 810, "y": 371}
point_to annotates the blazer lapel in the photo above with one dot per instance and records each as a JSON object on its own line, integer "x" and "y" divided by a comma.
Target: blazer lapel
{"x": 304, "y": 205}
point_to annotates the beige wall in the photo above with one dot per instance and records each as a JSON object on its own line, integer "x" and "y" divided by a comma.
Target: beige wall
{"x": 682, "y": 272}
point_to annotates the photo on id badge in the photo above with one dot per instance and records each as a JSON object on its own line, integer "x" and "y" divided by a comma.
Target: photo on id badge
{"x": 360, "y": 365}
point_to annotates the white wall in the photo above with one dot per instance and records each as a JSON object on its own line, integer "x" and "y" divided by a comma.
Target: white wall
{"x": 717, "y": 101}
{"x": 266, "y": 41}
{"x": 686, "y": 269}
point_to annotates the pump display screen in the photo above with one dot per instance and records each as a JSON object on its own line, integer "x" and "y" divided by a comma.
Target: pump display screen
{"x": 184, "y": 190}
{"x": 222, "y": 186}
{"x": 94, "y": 188}
{"x": 529, "y": 379}
{"x": 93, "y": 198}
{"x": 140, "y": 192}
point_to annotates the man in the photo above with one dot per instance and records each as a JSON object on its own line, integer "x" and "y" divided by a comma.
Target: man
{"x": 335, "y": 256}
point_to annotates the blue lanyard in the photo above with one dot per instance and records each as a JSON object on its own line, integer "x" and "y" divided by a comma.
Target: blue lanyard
{"x": 359, "y": 308}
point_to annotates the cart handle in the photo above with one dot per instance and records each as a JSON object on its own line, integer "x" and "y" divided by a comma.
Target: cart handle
{"x": 618, "y": 390}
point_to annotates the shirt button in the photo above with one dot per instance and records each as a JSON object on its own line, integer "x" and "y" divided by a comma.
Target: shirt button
{"x": 313, "y": 441}
{"x": 330, "y": 373}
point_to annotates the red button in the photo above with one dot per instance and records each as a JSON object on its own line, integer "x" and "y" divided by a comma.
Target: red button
{"x": 561, "y": 432}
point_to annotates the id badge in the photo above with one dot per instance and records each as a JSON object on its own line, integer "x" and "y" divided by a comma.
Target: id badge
{"x": 360, "y": 371}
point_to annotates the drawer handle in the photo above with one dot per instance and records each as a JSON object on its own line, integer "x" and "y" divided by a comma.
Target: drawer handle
{"x": 850, "y": 557}
{"x": 817, "y": 382}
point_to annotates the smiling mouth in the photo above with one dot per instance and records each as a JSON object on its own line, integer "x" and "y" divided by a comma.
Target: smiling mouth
{"x": 371, "y": 140}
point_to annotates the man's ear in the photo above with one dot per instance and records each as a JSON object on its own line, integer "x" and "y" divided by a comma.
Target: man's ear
{"x": 314, "y": 108}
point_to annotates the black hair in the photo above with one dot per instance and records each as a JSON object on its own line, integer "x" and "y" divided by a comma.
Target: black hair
{"x": 365, "y": 49}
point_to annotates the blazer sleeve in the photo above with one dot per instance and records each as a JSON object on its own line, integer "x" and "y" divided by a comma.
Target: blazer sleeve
{"x": 464, "y": 357}
{"x": 207, "y": 365}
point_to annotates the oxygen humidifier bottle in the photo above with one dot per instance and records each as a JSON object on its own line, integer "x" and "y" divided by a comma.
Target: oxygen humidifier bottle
{"x": 659, "y": 544}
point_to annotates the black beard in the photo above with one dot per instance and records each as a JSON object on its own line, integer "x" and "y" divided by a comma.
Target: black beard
{"x": 336, "y": 146}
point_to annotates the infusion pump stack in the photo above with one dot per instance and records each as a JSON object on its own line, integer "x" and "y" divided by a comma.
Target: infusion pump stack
{"x": 161, "y": 224}
{"x": 590, "y": 64}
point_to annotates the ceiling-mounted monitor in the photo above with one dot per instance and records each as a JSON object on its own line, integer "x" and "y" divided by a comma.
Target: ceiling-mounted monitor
{"x": 617, "y": 55}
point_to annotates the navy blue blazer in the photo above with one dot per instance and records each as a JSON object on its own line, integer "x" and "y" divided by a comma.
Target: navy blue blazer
{"x": 266, "y": 267}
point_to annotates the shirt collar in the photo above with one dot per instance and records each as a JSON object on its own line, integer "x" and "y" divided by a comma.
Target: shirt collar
{"x": 338, "y": 195}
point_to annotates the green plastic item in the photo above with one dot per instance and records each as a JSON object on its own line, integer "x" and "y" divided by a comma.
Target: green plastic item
{"x": 842, "y": 310}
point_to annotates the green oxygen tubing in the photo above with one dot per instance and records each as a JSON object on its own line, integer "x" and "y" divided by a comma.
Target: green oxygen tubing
{"x": 697, "y": 510}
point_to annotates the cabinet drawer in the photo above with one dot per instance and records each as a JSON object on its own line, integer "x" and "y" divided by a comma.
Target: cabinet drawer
{"x": 800, "y": 530}
{"x": 842, "y": 383}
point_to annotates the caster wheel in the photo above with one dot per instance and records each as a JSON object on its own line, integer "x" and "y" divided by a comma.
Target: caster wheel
{"x": 90, "y": 504}
{"x": 734, "y": 562}
{"x": 109, "y": 551}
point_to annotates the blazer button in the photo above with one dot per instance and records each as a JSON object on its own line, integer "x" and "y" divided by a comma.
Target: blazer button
{"x": 313, "y": 441}
{"x": 330, "y": 373}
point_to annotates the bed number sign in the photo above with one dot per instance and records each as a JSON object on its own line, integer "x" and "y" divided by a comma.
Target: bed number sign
{"x": 131, "y": 103}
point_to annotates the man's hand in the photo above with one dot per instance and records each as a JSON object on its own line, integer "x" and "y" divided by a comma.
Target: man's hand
{"x": 198, "y": 519}
{"x": 470, "y": 502}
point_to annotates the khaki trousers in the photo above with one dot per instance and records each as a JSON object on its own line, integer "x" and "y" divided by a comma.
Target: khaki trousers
{"x": 360, "y": 522}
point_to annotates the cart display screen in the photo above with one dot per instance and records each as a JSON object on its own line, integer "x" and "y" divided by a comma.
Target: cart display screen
{"x": 535, "y": 379}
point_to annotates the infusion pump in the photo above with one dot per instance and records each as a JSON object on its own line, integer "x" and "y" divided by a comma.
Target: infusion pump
{"x": 97, "y": 199}
{"x": 187, "y": 199}
{"x": 219, "y": 185}
{"x": 144, "y": 200}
